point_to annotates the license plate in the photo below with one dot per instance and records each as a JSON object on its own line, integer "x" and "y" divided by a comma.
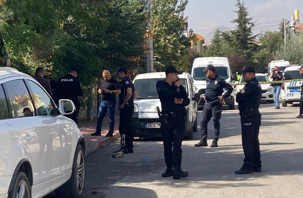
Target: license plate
{"x": 153, "y": 125}
{"x": 294, "y": 90}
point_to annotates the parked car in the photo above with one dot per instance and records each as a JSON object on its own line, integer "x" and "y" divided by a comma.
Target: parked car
{"x": 145, "y": 122}
{"x": 41, "y": 150}
{"x": 291, "y": 88}
{"x": 267, "y": 89}
{"x": 222, "y": 70}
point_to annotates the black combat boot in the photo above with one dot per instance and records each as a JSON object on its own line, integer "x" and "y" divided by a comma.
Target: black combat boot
{"x": 178, "y": 173}
{"x": 214, "y": 143}
{"x": 201, "y": 143}
{"x": 168, "y": 172}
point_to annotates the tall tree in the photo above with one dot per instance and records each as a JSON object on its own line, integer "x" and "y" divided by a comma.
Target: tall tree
{"x": 241, "y": 40}
{"x": 170, "y": 45}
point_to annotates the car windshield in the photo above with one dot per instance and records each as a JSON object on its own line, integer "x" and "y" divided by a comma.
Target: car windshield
{"x": 290, "y": 75}
{"x": 282, "y": 68}
{"x": 221, "y": 71}
{"x": 146, "y": 88}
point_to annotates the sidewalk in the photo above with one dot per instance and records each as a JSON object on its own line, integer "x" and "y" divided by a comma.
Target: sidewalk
{"x": 93, "y": 143}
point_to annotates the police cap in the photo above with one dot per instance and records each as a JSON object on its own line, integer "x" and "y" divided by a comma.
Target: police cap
{"x": 248, "y": 69}
{"x": 121, "y": 69}
{"x": 211, "y": 68}
{"x": 172, "y": 69}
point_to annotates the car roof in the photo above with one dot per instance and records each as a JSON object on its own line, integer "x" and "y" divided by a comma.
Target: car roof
{"x": 261, "y": 74}
{"x": 7, "y": 72}
{"x": 152, "y": 75}
{"x": 292, "y": 68}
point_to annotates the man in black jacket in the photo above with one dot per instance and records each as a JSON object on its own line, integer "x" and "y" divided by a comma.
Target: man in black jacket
{"x": 213, "y": 104}
{"x": 249, "y": 100}
{"x": 173, "y": 99}
{"x": 68, "y": 87}
{"x": 39, "y": 76}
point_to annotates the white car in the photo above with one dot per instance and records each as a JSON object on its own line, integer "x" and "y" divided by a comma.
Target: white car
{"x": 267, "y": 89}
{"x": 291, "y": 88}
{"x": 145, "y": 122}
{"x": 41, "y": 150}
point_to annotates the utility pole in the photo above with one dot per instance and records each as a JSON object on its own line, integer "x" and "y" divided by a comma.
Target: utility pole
{"x": 150, "y": 50}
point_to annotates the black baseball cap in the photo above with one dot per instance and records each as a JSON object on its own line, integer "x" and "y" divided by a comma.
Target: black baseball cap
{"x": 172, "y": 69}
{"x": 248, "y": 69}
{"x": 210, "y": 67}
{"x": 121, "y": 69}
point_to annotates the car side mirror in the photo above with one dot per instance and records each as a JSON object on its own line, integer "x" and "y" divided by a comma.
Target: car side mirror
{"x": 66, "y": 106}
{"x": 197, "y": 97}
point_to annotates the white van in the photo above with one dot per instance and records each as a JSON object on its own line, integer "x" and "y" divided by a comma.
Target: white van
{"x": 145, "y": 120}
{"x": 282, "y": 64}
{"x": 291, "y": 89}
{"x": 222, "y": 70}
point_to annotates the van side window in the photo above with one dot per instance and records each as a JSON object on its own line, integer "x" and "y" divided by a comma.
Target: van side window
{"x": 3, "y": 105}
{"x": 19, "y": 100}
{"x": 42, "y": 101}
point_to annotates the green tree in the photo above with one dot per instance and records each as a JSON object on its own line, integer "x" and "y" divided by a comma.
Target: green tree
{"x": 170, "y": 45}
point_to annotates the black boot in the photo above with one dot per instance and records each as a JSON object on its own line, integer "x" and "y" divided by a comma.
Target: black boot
{"x": 214, "y": 143}
{"x": 201, "y": 143}
{"x": 178, "y": 173}
{"x": 168, "y": 172}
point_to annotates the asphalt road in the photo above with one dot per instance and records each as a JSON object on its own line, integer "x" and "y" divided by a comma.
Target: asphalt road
{"x": 211, "y": 170}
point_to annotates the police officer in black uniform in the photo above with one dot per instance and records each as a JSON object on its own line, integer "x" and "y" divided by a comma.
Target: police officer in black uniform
{"x": 249, "y": 100}
{"x": 213, "y": 104}
{"x": 173, "y": 99}
{"x": 126, "y": 102}
{"x": 68, "y": 87}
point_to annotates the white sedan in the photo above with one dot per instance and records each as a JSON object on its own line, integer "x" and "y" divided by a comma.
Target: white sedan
{"x": 267, "y": 89}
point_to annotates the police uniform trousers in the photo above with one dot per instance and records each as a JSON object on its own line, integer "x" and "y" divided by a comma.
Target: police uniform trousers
{"x": 125, "y": 125}
{"x": 173, "y": 127}
{"x": 301, "y": 104}
{"x": 250, "y": 141}
{"x": 213, "y": 110}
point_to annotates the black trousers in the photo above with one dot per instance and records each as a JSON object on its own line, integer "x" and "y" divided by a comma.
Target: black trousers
{"x": 173, "y": 128}
{"x": 250, "y": 141}
{"x": 125, "y": 126}
{"x": 301, "y": 104}
{"x": 211, "y": 111}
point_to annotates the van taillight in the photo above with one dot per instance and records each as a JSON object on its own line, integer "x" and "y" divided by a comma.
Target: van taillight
{"x": 283, "y": 86}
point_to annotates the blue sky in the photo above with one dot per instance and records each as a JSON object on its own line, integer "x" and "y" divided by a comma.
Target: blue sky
{"x": 204, "y": 16}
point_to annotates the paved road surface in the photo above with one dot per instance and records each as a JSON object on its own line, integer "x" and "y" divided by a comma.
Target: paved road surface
{"x": 211, "y": 169}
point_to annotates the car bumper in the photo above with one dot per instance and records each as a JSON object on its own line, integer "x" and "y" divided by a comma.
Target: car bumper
{"x": 267, "y": 96}
{"x": 146, "y": 127}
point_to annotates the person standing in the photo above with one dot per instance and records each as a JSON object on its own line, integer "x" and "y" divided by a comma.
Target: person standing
{"x": 68, "y": 87}
{"x": 40, "y": 77}
{"x": 249, "y": 100}
{"x": 173, "y": 98}
{"x": 276, "y": 75}
{"x": 213, "y": 104}
{"x": 108, "y": 89}
{"x": 301, "y": 99}
{"x": 126, "y": 106}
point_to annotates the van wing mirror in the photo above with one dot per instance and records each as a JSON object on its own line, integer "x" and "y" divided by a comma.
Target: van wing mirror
{"x": 197, "y": 97}
{"x": 66, "y": 106}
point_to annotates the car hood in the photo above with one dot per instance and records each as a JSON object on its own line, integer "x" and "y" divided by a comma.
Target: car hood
{"x": 148, "y": 108}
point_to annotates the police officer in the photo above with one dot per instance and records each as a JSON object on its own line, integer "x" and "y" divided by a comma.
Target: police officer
{"x": 68, "y": 87}
{"x": 249, "y": 100}
{"x": 213, "y": 104}
{"x": 173, "y": 99}
{"x": 301, "y": 100}
{"x": 126, "y": 102}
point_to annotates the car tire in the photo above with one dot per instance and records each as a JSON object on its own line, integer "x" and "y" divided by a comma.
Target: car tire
{"x": 284, "y": 104}
{"x": 75, "y": 185}
{"x": 21, "y": 187}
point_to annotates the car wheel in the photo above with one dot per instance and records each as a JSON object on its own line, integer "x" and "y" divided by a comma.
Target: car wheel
{"x": 21, "y": 187}
{"x": 75, "y": 185}
{"x": 284, "y": 104}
